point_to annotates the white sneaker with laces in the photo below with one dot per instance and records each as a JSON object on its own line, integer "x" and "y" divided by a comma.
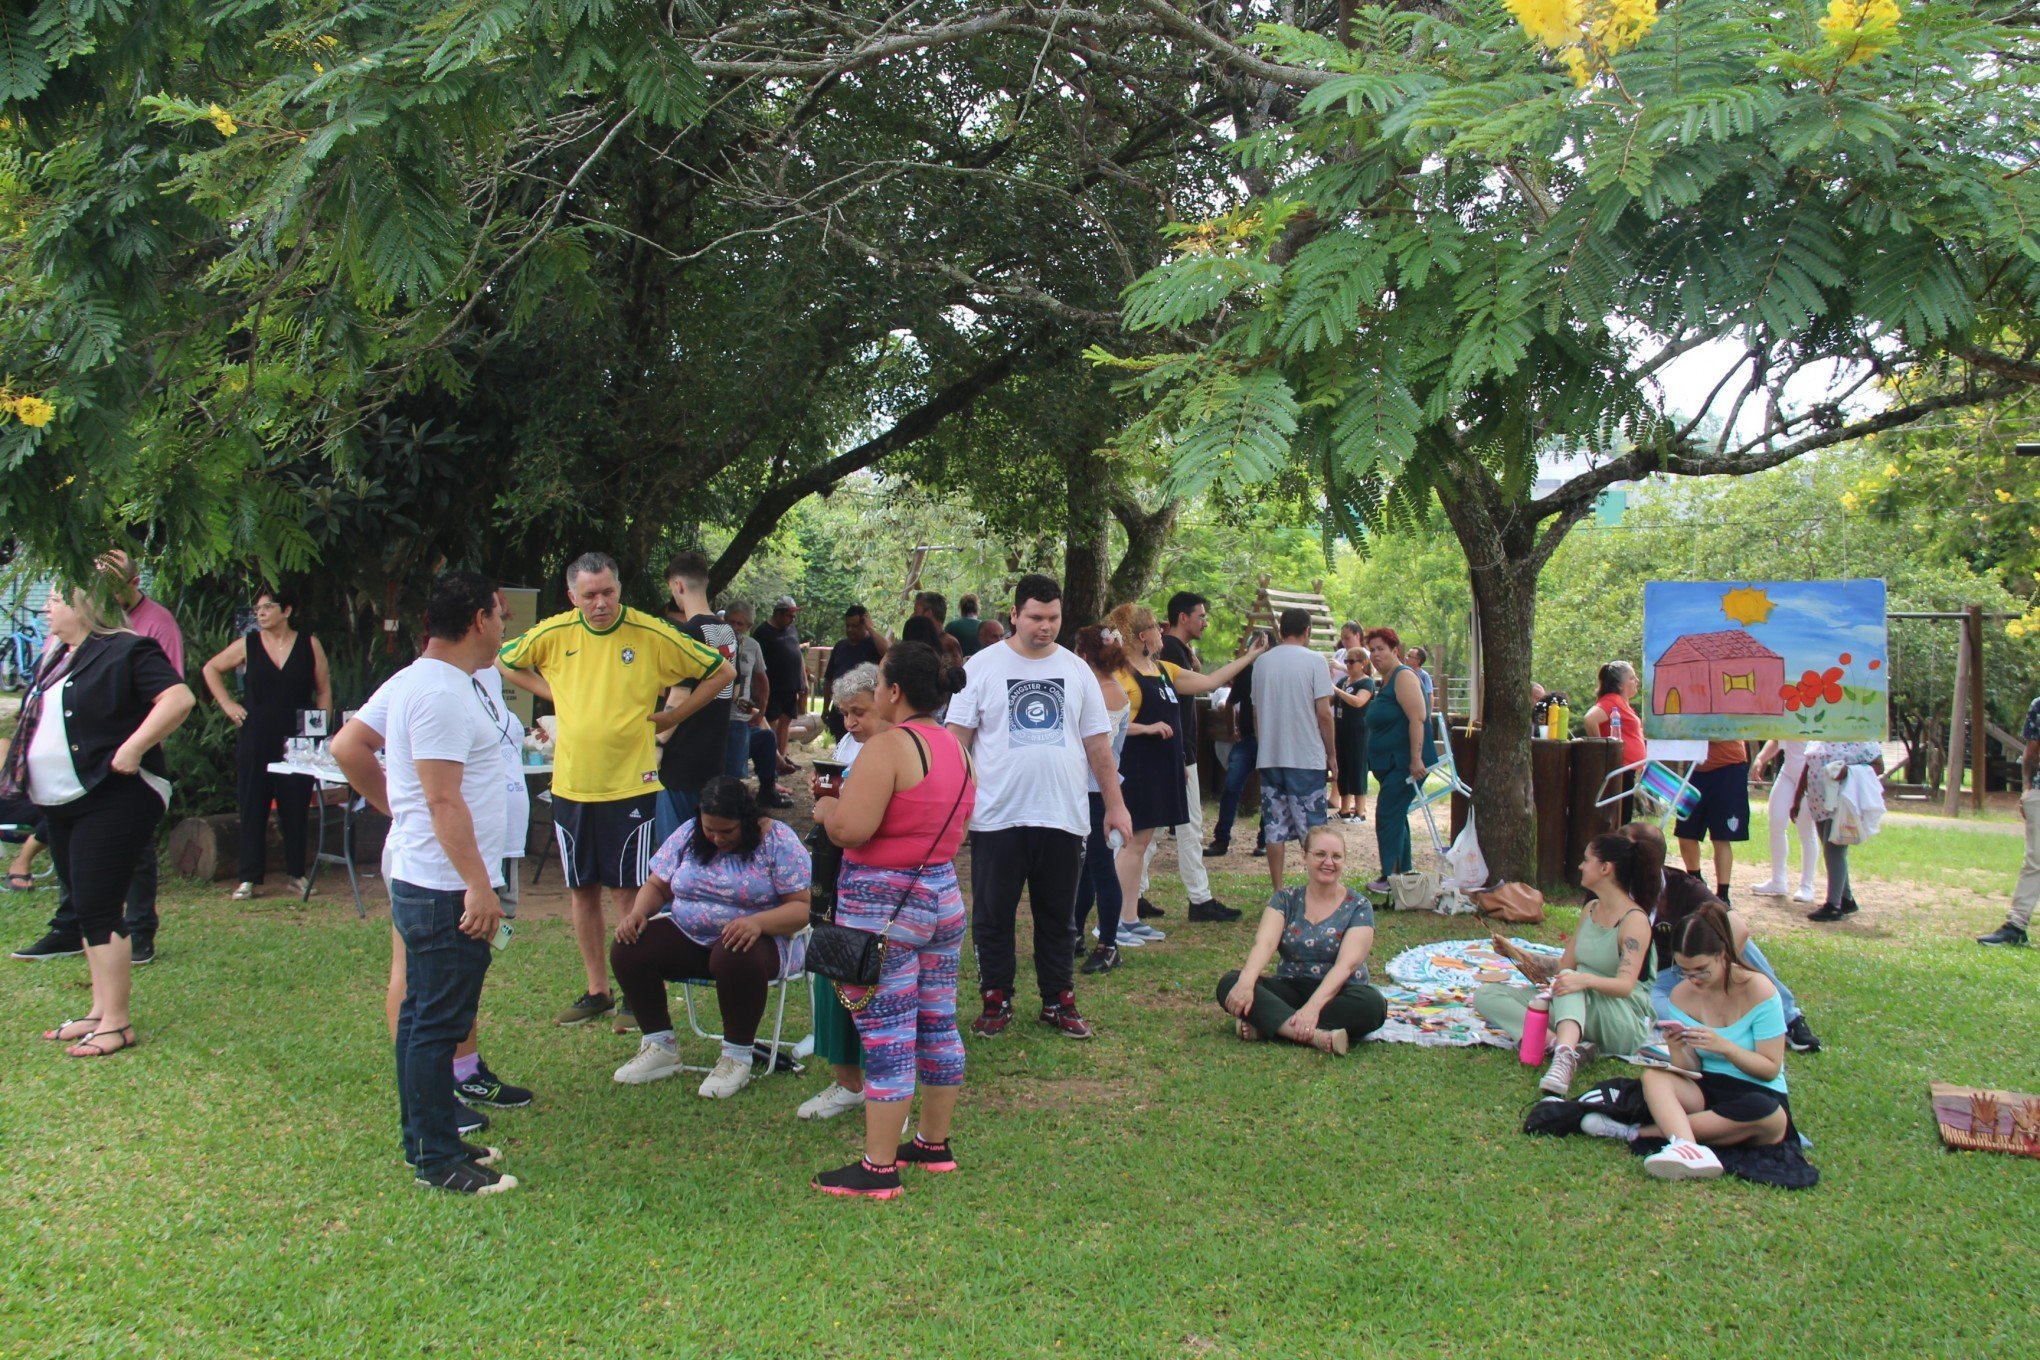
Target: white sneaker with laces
{"x": 832, "y": 1101}
{"x": 1683, "y": 1161}
{"x": 1774, "y": 888}
{"x": 244, "y": 892}
{"x": 654, "y": 1061}
{"x": 726, "y": 1079}
{"x": 1804, "y": 893}
{"x": 1602, "y": 1126}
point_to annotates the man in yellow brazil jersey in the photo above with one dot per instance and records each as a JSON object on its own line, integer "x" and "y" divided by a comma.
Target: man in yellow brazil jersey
{"x": 606, "y": 669}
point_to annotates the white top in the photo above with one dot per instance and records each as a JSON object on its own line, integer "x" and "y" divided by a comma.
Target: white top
{"x": 846, "y": 751}
{"x": 1121, "y": 720}
{"x": 431, "y": 710}
{"x": 1031, "y": 720}
{"x": 52, "y": 777}
{"x": 1794, "y": 762}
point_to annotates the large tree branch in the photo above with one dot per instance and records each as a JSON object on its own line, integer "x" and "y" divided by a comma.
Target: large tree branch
{"x": 923, "y": 420}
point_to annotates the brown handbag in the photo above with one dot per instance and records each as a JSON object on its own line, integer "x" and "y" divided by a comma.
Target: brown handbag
{"x": 1516, "y": 903}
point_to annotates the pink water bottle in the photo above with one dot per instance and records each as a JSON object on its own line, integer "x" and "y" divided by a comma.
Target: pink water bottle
{"x": 1536, "y": 1029}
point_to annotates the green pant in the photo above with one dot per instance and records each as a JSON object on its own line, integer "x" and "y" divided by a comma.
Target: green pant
{"x": 1392, "y": 820}
{"x": 836, "y": 1040}
{"x": 1356, "y": 1011}
{"x": 1615, "y": 1024}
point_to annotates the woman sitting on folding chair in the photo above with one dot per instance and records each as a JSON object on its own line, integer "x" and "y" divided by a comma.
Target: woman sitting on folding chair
{"x": 1400, "y": 752}
{"x": 726, "y": 897}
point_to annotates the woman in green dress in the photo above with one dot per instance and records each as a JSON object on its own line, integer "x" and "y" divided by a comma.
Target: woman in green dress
{"x": 1600, "y": 994}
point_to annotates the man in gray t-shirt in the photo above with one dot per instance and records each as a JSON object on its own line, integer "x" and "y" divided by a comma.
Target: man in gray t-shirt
{"x": 1293, "y": 719}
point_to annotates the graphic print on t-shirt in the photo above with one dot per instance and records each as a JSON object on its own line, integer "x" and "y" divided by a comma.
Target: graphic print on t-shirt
{"x": 1034, "y": 712}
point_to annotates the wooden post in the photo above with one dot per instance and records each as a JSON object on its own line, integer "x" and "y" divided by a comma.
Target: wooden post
{"x": 1979, "y": 718}
{"x": 1951, "y": 794}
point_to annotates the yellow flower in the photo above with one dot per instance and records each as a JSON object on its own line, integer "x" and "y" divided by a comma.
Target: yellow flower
{"x": 1860, "y": 29}
{"x": 222, "y": 120}
{"x": 1554, "y": 23}
{"x": 1621, "y": 24}
{"x": 33, "y": 411}
{"x": 1851, "y": 502}
{"x": 1576, "y": 66}
{"x": 2004, "y": 495}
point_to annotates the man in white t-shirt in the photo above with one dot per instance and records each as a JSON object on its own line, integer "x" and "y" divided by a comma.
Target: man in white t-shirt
{"x": 444, "y": 793}
{"x": 1035, "y": 721}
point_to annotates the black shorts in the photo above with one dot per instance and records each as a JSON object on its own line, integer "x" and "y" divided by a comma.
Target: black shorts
{"x": 606, "y": 845}
{"x": 1724, "y": 811}
{"x": 1743, "y": 1101}
{"x": 782, "y": 703}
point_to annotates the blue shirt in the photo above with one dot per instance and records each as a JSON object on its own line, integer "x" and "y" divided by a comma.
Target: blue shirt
{"x": 1765, "y": 1020}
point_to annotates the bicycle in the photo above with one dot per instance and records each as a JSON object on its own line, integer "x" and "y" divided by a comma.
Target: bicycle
{"x": 19, "y": 651}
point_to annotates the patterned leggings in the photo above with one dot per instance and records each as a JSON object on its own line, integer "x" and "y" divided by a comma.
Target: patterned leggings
{"x": 909, "y": 1028}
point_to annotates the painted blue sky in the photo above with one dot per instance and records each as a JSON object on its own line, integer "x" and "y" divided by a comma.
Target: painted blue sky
{"x": 1811, "y": 622}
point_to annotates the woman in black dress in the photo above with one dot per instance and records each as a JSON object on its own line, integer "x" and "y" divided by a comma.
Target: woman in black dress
{"x": 286, "y": 673}
{"x": 1350, "y": 697}
{"x": 1151, "y": 765}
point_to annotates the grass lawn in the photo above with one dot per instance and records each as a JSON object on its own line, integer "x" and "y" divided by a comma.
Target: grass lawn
{"x": 234, "y": 1188}
{"x": 1960, "y": 855}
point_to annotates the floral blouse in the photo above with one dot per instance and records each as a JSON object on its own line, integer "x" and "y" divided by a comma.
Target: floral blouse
{"x": 707, "y": 897}
{"x": 1308, "y": 949}
{"x": 1823, "y": 793}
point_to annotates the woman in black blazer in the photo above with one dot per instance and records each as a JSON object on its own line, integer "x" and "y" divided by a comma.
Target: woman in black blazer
{"x": 88, "y": 751}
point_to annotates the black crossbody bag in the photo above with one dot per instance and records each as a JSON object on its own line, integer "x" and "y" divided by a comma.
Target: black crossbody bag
{"x": 854, "y": 958}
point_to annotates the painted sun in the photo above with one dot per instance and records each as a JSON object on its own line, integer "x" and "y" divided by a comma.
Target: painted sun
{"x": 1747, "y": 605}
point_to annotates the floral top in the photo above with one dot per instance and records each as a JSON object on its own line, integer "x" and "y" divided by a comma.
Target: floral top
{"x": 1308, "y": 949}
{"x": 707, "y": 897}
{"x": 1823, "y": 793}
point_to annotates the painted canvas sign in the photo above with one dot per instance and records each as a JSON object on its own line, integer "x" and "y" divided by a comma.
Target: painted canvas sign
{"x": 1753, "y": 661}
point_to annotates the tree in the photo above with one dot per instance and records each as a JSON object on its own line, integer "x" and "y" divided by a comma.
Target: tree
{"x": 1481, "y": 242}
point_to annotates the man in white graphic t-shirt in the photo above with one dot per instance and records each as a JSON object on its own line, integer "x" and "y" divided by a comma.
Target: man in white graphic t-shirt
{"x": 1035, "y": 721}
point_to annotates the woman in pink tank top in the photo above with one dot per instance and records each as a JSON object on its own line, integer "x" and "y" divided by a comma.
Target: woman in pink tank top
{"x": 903, "y": 812}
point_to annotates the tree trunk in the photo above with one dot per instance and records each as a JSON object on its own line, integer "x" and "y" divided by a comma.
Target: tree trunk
{"x": 1087, "y": 548}
{"x": 1505, "y": 596}
{"x": 1147, "y": 533}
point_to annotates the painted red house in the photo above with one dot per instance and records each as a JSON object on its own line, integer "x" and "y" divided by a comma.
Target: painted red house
{"x": 1725, "y": 672}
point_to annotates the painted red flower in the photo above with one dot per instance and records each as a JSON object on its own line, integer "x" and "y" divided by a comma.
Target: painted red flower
{"x": 1844, "y": 659}
{"x": 1833, "y": 694}
{"x": 1875, "y": 664}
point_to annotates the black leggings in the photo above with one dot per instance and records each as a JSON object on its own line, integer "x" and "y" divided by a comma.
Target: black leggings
{"x": 254, "y": 787}
{"x": 96, "y": 842}
{"x": 664, "y": 954}
{"x": 1276, "y": 999}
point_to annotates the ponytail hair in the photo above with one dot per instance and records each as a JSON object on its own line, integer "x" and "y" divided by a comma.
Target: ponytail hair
{"x": 923, "y": 677}
{"x": 1636, "y": 869}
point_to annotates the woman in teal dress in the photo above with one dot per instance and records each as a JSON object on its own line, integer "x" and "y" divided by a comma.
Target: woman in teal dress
{"x": 1399, "y": 752}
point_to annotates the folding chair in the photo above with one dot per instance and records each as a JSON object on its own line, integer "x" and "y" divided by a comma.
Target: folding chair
{"x": 14, "y": 833}
{"x": 779, "y": 1053}
{"x": 1664, "y": 780}
{"x": 1428, "y": 796}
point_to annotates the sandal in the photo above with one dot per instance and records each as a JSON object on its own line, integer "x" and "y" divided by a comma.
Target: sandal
{"x": 1332, "y": 1041}
{"x": 1247, "y": 1032}
{"x": 21, "y": 882}
{"x": 57, "y": 1035}
{"x": 92, "y": 1050}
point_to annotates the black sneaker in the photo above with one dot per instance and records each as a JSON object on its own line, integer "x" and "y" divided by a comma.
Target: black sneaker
{"x": 1849, "y": 907}
{"x": 861, "y": 1180}
{"x": 926, "y": 1155}
{"x": 51, "y": 946}
{"x": 1828, "y": 911}
{"x": 486, "y": 1088}
{"x": 1103, "y": 959}
{"x": 587, "y": 1008}
{"x": 1799, "y": 1036}
{"x": 1212, "y": 910}
{"x": 1149, "y": 911}
{"x": 476, "y": 1153}
{"x": 1218, "y": 848}
{"x": 469, "y": 1121}
{"x": 2004, "y": 934}
{"x": 143, "y": 949}
{"x": 465, "y": 1178}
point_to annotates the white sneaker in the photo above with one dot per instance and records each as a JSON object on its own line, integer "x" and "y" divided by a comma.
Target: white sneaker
{"x": 1140, "y": 930}
{"x": 1683, "y": 1161}
{"x": 654, "y": 1061}
{"x": 832, "y": 1101}
{"x": 243, "y": 892}
{"x": 1772, "y": 889}
{"x": 726, "y": 1079}
{"x": 298, "y": 886}
{"x": 1602, "y": 1126}
{"x": 1804, "y": 894}
{"x": 1126, "y": 939}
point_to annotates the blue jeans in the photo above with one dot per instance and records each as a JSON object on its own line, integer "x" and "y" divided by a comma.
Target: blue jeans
{"x": 674, "y": 807}
{"x": 737, "y": 749}
{"x": 443, "y": 972}
{"x": 1099, "y": 881}
{"x": 1239, "y": 768}
{"x": 1392, "y": 803}
{"x": 1668, "y": 978}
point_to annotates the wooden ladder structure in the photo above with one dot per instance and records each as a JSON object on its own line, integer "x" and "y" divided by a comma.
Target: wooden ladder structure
{"x": 1270, "y": 602}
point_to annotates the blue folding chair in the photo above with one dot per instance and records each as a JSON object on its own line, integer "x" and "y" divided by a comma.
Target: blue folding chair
{"x": 1664, "y": 781}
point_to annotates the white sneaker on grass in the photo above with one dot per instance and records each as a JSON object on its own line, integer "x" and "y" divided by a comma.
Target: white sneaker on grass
{"x": 832, "y": 1101}
{"x": 725, "y": 1079}
{"x": 1602, "y": 1126}
{"x": 654, "y": 1062}
{"x": 1683, "y": 1161}
{"x": 1774, "y": 888}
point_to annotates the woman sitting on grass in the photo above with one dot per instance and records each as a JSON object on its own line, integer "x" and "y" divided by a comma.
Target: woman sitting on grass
{"x": 1727, "y": 1021}
{"x": 1600, "y": 995}
{"x": 727, "y": 894}
{"x": 1321, "y": 930}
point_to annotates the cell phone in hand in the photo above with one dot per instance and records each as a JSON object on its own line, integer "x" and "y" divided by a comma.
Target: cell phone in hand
{"x": 1671, "y": 1029}
{"x": 501, "y": 939}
